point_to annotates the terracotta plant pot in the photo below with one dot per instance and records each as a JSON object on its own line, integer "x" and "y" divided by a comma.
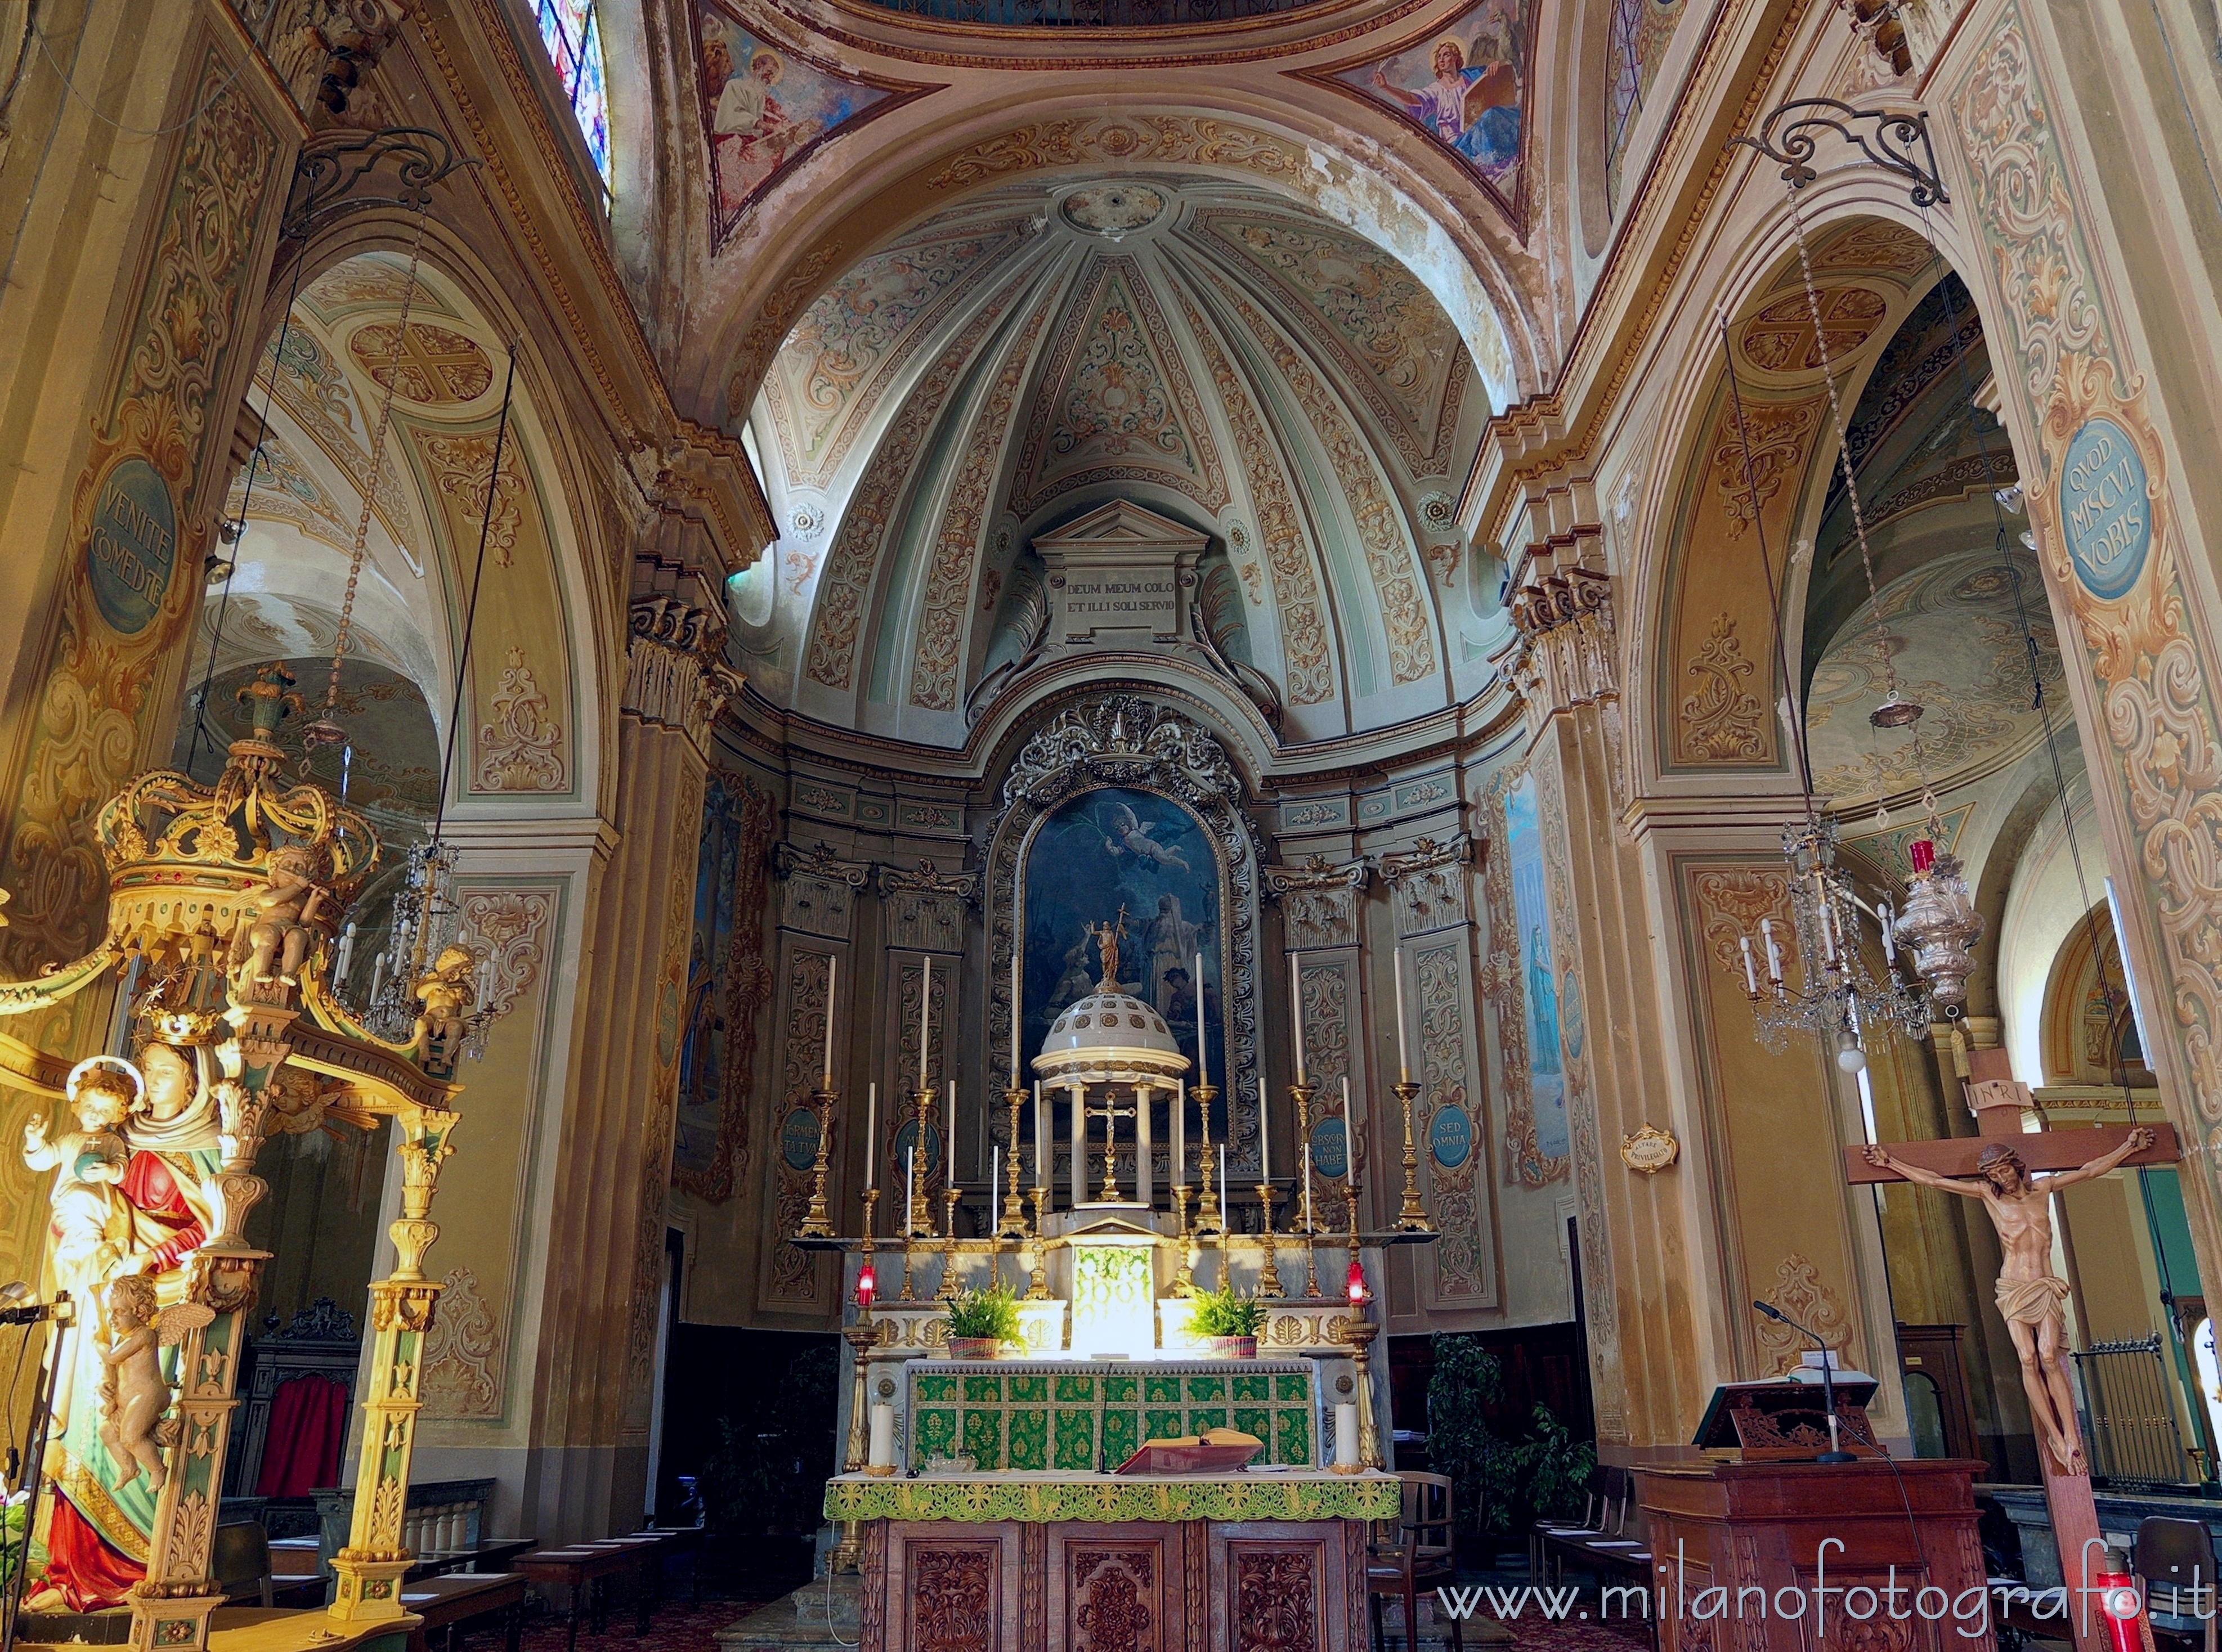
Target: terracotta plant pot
{"x": 975, "y": 1348}
{"x": 1232, "y": 1348}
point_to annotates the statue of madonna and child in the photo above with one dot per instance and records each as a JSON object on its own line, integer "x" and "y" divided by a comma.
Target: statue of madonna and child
{"x": 126, "y": 1211}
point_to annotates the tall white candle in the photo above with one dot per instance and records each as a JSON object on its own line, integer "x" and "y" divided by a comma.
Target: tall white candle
{"x": 1180, "y": 1133}
{"x": 1015, "y": 1019}
{"x": 1202, "y": 1060}
{"x": 832, "y": 974}
{"x": 1308, "y": 1187}
{"x": 925, "y": 1003}
{"x": 996, "y": 1176}
{"x": 1404, "y": 1060}
{"x": 1226, "y": 1204}
{"x": 871, "y": 1135}
{"x": 953, "y": 1133}
{"x": 910, "y": 1183}
{"x": 1349, "y": 1140}
{"x": 1296, "y": 1013}
{"x": 1041, "y": 1139}
{"x": 1265, "y": 1135}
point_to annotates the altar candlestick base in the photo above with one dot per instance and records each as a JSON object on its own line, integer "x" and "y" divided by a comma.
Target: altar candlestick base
{"x": 1269, "y": 1277}
{"x": 1411, "y": 1218}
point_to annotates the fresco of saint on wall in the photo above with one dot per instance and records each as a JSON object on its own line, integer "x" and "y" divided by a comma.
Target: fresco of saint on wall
{"x": 764, "y": 106}
{"x": 1463, "y": 83}
{"x": 1539, "y": 989}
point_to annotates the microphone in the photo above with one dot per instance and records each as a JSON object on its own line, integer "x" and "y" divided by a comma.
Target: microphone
{"x": 1836, "y": 1453}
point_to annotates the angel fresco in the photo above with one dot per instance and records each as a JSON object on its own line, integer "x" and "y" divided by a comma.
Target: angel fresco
{"x": 1463, "y": 86}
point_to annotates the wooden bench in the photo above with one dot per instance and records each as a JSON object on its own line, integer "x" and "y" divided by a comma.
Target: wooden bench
{"x": 675, "y": 1541}
{"x": 447, "y": 1604}
{"x": 584, "y": 1569}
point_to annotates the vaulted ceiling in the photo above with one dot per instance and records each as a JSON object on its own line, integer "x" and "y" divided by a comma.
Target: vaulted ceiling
{"x": 1223, "y": 357}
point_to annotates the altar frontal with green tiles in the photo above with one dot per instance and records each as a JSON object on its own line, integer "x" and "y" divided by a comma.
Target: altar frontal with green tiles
{"x": 1022, "y": 1414}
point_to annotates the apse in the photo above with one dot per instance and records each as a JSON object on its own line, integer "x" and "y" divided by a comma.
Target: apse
{"x": 1219, "y": 363}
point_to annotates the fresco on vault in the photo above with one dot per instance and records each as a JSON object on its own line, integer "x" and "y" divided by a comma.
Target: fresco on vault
{"x": 1539, "y": 991}
{"x": 1116, "y": 847}
{"x": 762, "y": 106}
{"x": 1464, "y": 84}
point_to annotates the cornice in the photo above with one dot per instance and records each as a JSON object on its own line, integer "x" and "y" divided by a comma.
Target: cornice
{"x": 678, "y": 463}
{"x": 1530, "y": 440}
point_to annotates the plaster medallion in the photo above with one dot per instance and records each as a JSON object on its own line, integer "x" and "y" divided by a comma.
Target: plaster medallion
{"x": 1649, "y": 1151}
{"x": 1113, "y": 209}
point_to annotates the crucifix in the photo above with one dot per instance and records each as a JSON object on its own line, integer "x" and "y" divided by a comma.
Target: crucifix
{"x": 2003, "y": 1167}
{"x": 1110, "y": 1112}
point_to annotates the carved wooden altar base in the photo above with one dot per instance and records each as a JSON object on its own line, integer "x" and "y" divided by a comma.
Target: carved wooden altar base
{"x": 1053, "y": 1563}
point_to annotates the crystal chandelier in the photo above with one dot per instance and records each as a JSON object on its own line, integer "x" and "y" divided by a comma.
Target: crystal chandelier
{"x": 425, "y": 923}
{"x": 1837, "y": 997}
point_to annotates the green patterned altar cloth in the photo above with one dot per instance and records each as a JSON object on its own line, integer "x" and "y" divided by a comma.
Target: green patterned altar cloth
{"x": 1079, "y": 1417}
{"x": 1042, "y": 1499}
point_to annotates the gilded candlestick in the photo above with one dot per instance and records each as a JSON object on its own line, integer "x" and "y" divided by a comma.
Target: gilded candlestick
{"x": 861, "y": 1338}
{"x": 948, "y": 1291}
{"x": 1311, "y": 1267}
{"x": 1411, "y": 1218}
{"x": 818, "y": 1223}
{"x": 1269, "y": 1277}
{"x": 1300, "y": 1094}
{"x": 1184, "y": 1275}
{"x": 1013, "y": 1224}
{"x": 917, "y": 1221}
{"x": 1038, "y": 1287}
{"x": 1209, "y": 1218}
{"x": 1360, "y": 1332}
{"x": 908, "y": 1294}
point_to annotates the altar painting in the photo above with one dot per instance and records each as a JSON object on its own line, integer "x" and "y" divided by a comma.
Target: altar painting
{"x": 1539, "y": 991}
{"x": 1464, "y": 84}
{"x": 1112, "y": 848}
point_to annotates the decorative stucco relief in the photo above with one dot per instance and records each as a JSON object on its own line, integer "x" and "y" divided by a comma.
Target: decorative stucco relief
{"x": 521, "y": 749}
{"x": 462, "y": 1356}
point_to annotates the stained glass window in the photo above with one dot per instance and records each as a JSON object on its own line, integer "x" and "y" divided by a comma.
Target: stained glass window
{"x": 572, "y": 35}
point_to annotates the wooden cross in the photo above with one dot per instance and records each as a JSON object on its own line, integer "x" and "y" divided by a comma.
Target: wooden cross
{"x": 1997, "y": 1101}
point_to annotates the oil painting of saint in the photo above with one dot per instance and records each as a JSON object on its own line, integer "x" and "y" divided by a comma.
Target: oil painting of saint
{"x": 1464, "y": 84}
{"x": 764, "y": 106}
{"x": 1539, "y": 989}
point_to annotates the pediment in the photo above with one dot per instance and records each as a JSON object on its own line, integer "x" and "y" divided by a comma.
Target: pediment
{"x": 1123, "y": 524}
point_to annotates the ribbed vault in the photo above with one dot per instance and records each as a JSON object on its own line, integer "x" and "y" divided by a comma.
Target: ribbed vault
{"x": 1219, "y": 357}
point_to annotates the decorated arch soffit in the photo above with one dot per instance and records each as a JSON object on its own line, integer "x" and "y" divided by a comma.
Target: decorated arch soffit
{"x": 1719, "y": 677}
{"x": 1258, "y": 374}
{"x": 765, "y": 106}
{"x": 1464, "y": 81}
{"x": 1127, "y": 742}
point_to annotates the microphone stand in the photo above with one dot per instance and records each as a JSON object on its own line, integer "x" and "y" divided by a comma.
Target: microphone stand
{"x": 57, "y": 1313}
{"x": 1836, "y": 1453}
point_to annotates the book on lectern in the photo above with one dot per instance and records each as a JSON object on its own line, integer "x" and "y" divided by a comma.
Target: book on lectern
{"x": 1215, "y": 1451}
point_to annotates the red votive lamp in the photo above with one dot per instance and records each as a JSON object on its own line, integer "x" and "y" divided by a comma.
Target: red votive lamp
{"x": 1924, "y": 852}
{"x": 868, "y": 1286}
{"x": 1357, "y": 1282}
{"x": 2121, "y": 1604}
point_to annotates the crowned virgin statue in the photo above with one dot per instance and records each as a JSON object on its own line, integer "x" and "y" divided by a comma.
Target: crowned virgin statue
{"x": 127, "y": 1198}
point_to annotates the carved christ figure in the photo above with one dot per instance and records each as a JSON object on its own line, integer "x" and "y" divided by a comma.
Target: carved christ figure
{"x": 2030, "y": 1294}
{"x": 1107, "y": 937}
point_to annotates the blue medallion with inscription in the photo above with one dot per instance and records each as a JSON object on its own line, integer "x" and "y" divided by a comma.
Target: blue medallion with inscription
{"x": 1450, "y": 1137}
{"x": 798, "y": 1139}
{"x": 134, "y": 547}
{"x": 2103, "y": 509}
{"x": 1330, "y": 1150}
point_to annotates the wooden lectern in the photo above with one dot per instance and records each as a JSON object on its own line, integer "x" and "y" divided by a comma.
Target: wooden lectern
{"x": 1745, "y": 1554}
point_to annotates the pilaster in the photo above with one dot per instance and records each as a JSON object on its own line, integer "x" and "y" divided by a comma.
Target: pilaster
{"x": 1322, "y": 931}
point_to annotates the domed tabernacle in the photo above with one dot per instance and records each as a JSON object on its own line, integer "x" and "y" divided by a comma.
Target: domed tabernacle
{"x": 1106, "y": 1021}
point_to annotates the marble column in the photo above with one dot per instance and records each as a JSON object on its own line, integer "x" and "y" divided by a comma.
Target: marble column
{"x": 595, "y": 1365}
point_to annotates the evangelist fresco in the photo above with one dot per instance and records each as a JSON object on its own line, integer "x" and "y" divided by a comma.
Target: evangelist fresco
{"x": 727, "y": 986}
{"x": 764, "y": 106}
{"x": 1465, "y": 84}
{"x": 1115, "y": 847}
{"x": 1538, "y": 990}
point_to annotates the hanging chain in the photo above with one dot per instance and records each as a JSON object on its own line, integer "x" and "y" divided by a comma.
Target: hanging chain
{"x": 326, "y": 729}
{"x": 1894, "y": 711}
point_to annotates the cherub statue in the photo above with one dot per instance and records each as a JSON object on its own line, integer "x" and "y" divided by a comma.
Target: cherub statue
{"x": 133, "y": 1394}
{"x": 446, "y": 993}
{"x": 89, "y": 1162}
{"x": 291, "y": 903}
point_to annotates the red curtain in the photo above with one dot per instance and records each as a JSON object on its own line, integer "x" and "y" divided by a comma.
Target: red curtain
{"x": 308, "y": 1426}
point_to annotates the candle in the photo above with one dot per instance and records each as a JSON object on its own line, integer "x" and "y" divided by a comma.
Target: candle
{"x": 871, "y": 1135}
{"x": 1349, "y": 1141}
{"x": 1773, "y": 952}
{"x": 1345, "y": 1434}
{"x": 347, "y": 954}
{"x": 1041, "y": 1141}
{"x": 996, "y": 1176}
{"x": 1404, "y": 1060}
{"x": 924, "y": 1000}
{"x": 1265, "y": 1135}
{"x": 1750, "y": 976}
{"x": 1014, "y": 1022}
{"x": 1180, "y": 1133}
{"x": 1889, "y": 945}
{"x": 1202, "y": 1060}
{"x": 953, "y": 1133}
{"x": 1308, "y": 1187}
{"x": 377, "y": 976}
{"x": 883, "y": 1436}
{"x": 1225, "y": 1204}
{"x": 1296, "y": 1013}
{"x": 910, "y": 1184}
{"x": 832, "y": 974}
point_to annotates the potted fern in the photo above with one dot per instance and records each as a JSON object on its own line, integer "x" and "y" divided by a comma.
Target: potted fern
{"x": 981, "y": 1322}
{"x": 1228, "y": 1322}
